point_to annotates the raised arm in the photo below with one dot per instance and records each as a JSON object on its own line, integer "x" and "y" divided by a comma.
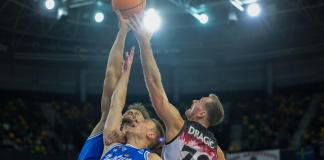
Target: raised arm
{"x": 165, "y": 110}
{"x": 113, "y": 71}
{"x": 113, "y": 123}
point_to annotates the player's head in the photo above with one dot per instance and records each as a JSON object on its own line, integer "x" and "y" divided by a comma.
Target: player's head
{"x": 208, "y": 109}
{"x": 149, "y": 130}
{"x": 158, "y": 139}
{"x": 135, "y": 112}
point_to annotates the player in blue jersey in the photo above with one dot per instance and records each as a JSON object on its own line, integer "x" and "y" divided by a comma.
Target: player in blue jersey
{"x": 140, "y": 136}
{"x": 94, "y": 145}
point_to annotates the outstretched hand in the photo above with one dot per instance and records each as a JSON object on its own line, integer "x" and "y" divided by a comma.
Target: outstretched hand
{"x": 140, "y": 32}
{"x": 123, "y": 22}
{"x": 128, "y": 60}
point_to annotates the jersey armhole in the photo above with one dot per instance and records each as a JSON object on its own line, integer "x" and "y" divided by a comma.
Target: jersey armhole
{"x": 113, "y": 146}
{"x": 95, "y": 135}
{"x": 184, "y": 125}
{"x": 146, "y": 153}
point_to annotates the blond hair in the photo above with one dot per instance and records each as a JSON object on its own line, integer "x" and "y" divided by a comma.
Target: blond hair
{"x": 159, "y": 133}
{"x": 215, "y": 110}
{"x": 140, "y": 107}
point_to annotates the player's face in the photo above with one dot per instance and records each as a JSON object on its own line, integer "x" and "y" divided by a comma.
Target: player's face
{"x": 142, "y": 127}
{"x": 196, "y": 107}
{"x": 132, "y": 115}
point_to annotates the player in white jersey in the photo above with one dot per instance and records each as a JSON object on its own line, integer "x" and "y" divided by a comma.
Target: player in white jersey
{"x": 185, "y": 140}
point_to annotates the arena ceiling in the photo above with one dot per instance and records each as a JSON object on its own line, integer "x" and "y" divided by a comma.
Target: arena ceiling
{"x": 285, "y": 26}
{"x": 283, "y": 46}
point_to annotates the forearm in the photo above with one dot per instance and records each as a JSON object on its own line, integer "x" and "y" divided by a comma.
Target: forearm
{"x": 119, "y": 96}
{"x": 113, "y": 121}
{"x": 114, "y": 65}
{"x": 115, "y": 58}
{"x": 150, "y": 69}
{"x": 113, "y": 71}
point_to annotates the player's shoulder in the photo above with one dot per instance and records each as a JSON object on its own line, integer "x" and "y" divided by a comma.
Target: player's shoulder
{"x": 110, "y": 148}
{"x": 220, "y": 154}
{"x": 113, "y": 145}
{"x": 153, "y": 156}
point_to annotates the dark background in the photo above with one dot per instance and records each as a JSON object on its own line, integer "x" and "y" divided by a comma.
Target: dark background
{"x": 268, "y": 66}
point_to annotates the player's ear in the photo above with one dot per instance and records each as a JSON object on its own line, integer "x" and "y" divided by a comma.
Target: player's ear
{"x": 150, "y": 135}
{"x": 202, "y": 114}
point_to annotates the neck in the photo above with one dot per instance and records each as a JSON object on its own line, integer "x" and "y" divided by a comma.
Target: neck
{"x": 202, "y": 122}
{"x": 136, "y": 141}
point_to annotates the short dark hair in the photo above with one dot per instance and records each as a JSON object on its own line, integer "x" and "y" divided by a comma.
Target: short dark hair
{"x": 215, "y": 110}
{"x": 160, "y": 135}
{"x": 140, "y": 107}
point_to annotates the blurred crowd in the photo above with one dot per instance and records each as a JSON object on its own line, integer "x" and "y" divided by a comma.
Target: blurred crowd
{"x": 43, "y": 127}
{"x": 314, "y": 136}
{"x": 60, "y": 126}
{"x": 271, "y": 122}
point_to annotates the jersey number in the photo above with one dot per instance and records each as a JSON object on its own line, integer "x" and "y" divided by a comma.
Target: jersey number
{"x": 191, "y": 153}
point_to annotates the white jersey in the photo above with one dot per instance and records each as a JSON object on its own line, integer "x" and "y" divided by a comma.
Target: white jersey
{"x": 193, "y": 142}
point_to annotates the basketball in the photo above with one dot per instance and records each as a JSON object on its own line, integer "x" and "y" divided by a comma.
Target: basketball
{"x": 129, "y": 7}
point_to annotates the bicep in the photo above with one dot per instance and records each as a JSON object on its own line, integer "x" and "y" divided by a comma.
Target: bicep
{"x": 168, "y": 113}
{"x": 112, "y": 124}
{"x": 114, "y": 137}
{"x": 109, "y": 85}
{"x": 220, "y": 154}
{"x": 171, "y": 119}
{"x": 154, "y": 156}
{"x": 164, "y": 109}
{"x": 113, "y": 118}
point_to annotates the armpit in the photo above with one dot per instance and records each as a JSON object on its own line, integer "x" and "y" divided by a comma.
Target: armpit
{"x": 114, "y": 137}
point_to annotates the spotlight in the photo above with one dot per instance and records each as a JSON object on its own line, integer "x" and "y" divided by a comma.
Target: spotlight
{"x": 202, "y": 17}
{"x": 152, "y": 20}
{"x": 232, "y": 16}
{"x": 254, "y": 9}
{"x": 99, "y": 17}
{"x": 237, "y": 4}
{"x": 62, "y": 11}
{"x": 99, "y": 3}
{"x": 49, "y": 4}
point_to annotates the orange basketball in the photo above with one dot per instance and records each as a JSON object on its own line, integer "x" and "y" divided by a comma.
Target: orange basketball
{"x": 129, "y": 7}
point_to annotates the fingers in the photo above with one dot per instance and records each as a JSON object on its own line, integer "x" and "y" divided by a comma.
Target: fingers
{"x": 133, "y": 23}
{"x": 126, "y": 55}
{"x": 130, "y": 25}
{"x": 131, "y": 55}
{"x": 118, "y": 12}
{"x": 141, "y": 14}
{"x": 125, "y": 65}
{"x": 132, "y": 51}
{"x": 136, "y": 25}
{"x": 150, "y": 35}
{"x": 120, "y": 16}
{"x": 138, "y": 21}
{"x": 129, "y": 59}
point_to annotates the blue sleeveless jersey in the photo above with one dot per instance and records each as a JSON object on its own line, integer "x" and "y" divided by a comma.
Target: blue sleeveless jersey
{"x": 92, "y": 148}
{"x": 125, "y": 152}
